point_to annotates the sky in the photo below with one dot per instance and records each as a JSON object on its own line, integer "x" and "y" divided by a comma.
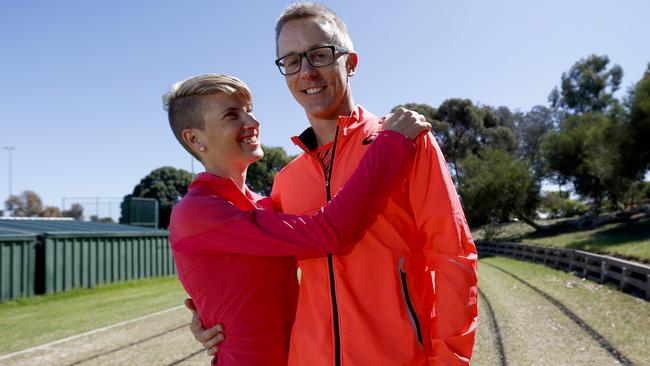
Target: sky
{"x": 82, "y": 81}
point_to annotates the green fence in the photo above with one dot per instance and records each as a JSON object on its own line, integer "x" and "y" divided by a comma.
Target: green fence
{"x": 17, "y": 266}
{"x": 84, "y": 260}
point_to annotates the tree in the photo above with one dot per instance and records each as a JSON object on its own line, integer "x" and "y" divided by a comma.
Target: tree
{"x": 28, "y": 204}
{"x": 51, "y": 211}
{"x": 637, "y": 150}
{"x": 497, "y": 187}
{"x": 531, "y": 128}
{"x": 462, "y": 129}
{"x": 586, "y": 151}
{"x": 103, "y": 220}
{"x": 167, "y": 185}
{"x": 76, "y": 211}
{"x": 588, "y": 86}
{"x": 261, "y": 173}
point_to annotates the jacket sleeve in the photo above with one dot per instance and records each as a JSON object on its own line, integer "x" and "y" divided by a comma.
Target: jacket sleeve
{"x": 450, "y": 255}
{"x": 221, "y": 227}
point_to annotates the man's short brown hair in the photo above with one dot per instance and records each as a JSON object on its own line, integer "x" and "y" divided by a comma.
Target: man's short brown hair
{"x": 305, "y": 10}
{"x": 185, "y": 103}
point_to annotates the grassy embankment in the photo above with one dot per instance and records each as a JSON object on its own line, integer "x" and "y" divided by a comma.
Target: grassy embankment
{"x": 625, "y": 240}
{"x": 33, "y": 321}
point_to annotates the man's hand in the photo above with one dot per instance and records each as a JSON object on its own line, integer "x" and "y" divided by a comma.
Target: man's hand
{"x": 405, "y": 121}
{"x": 209, "y": 338}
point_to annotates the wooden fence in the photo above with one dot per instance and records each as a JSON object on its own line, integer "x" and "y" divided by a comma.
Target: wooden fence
{"x": 624, "y": 274}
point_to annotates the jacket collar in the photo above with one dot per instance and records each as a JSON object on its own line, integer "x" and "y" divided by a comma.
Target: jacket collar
{"x": 214, "y": 185}
{"x": 307, "y": 139}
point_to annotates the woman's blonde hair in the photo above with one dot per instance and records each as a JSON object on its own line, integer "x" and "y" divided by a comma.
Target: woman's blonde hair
{"x": 185, "y": 103}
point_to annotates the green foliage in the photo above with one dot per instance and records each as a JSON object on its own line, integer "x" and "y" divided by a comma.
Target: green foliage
{"x": 496, "y": 187}
{"x": 463, "y": 129}
{"x": 260, "y": 175}
{"x": 588, "y": 86}
{"x": 637, "y": 151}
{"x": 532, "y": 127}
{"x": 166, "y": 185}
{"x": 586, "y": 151}
{"x": 559, "y": 205}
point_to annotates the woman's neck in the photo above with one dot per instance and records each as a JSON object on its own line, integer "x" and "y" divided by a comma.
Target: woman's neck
{"x": 238, "y": 175}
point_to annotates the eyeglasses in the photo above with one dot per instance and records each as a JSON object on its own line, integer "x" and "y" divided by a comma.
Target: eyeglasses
{"x": 317, "y": 57}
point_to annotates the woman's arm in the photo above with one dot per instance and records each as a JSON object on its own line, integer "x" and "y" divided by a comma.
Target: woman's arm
{"x": 332, "y": 230}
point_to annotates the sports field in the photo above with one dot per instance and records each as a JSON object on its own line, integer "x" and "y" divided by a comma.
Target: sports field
{"x": 529, "y": 315}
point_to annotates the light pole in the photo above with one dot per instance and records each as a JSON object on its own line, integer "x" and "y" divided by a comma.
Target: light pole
{"x": 10, "y": 149}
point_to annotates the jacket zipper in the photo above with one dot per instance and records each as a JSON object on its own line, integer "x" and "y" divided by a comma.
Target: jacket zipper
{"x": 330, "y": 265}
{"x": 409, "y": 305}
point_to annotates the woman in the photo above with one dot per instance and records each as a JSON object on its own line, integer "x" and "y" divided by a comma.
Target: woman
{"x": 235, "y": 257}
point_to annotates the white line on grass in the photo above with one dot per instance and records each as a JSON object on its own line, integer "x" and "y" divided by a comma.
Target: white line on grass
{"x": 4, "y": 357}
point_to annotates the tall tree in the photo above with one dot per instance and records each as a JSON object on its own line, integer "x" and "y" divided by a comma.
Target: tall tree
{"x": 497, "y": 187}
{"x": 167, "y": 185}
{"x": 76, "y": 211}
{"x": 588, "y": 86}
{"x": 260, "y": 174}
{"x": 532, "y": 127}
{"x": 51, "y": 211}
{"x": 586, "y": 151}
{"x": 637, "y": 150}
{"x": 463, "y": 129}
{"x": 28, "y": 204}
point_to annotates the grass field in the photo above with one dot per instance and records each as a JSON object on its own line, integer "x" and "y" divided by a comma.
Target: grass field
{"x": 32, "y": 321}
{"x": 535, "y": 331}
{"x": 626, "y": 240}
{"x": 525, "y": 318}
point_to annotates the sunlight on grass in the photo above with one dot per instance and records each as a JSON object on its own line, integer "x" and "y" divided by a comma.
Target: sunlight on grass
{"x": 32, "y": 321}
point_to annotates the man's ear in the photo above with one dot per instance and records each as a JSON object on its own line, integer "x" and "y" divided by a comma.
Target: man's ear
{"x": 351, "y": 63}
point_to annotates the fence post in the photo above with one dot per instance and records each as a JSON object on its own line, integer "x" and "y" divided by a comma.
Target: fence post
{"x": 624, "y": 278}
{"x": 604, "y": 266}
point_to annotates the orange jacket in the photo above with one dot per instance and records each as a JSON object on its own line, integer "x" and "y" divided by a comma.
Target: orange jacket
{"x": 406, "y": 295}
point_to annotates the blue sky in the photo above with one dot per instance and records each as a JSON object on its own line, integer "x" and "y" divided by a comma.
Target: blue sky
{"x": 82, "y": 80}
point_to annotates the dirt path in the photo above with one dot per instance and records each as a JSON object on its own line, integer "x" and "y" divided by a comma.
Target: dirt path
{"x": 526, "y": 326}
{"x": 520, "y": 323}
{"x": 160, "y": 340}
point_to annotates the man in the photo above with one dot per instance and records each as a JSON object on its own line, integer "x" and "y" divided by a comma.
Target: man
{"x": 406, "y": 295}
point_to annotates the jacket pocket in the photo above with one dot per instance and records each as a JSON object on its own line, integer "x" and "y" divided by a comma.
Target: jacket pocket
{"x": 413, "y": 317}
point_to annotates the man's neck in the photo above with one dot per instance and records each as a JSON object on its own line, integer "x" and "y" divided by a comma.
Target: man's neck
{"x": 325, "y": 129}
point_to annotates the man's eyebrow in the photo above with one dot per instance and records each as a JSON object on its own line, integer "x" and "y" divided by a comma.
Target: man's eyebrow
{"x": 320, "y": 44}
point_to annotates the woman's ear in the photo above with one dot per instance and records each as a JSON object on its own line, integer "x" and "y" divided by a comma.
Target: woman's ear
{"x": 191, "y": 139}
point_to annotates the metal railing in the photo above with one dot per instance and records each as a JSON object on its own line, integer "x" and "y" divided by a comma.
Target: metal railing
{"x": 624, "y": 274}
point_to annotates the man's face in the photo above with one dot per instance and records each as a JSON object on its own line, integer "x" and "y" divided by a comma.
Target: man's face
{"x": 323, "y": 92}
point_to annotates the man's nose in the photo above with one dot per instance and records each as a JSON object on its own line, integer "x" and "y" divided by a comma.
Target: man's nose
{"x": 306, "y": 69}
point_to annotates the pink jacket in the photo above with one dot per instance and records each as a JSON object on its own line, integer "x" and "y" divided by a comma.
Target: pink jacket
{"x": 235, "y": 257}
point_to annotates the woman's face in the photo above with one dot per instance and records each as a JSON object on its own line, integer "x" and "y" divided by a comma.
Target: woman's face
{"x": 231, "y": 133}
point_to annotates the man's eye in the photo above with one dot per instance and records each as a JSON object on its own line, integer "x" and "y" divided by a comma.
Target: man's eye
{"x": 291, "y": 61}
{"x": 318, "y": 55}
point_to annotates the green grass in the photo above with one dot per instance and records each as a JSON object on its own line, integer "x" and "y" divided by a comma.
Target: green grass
{"x": 622, "y": 319}
{"x": 625, "y": 240}
{"x": 32, "y": 321}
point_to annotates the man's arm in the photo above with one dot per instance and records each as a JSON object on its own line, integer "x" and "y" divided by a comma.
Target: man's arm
{"x": 450, "y": 253}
